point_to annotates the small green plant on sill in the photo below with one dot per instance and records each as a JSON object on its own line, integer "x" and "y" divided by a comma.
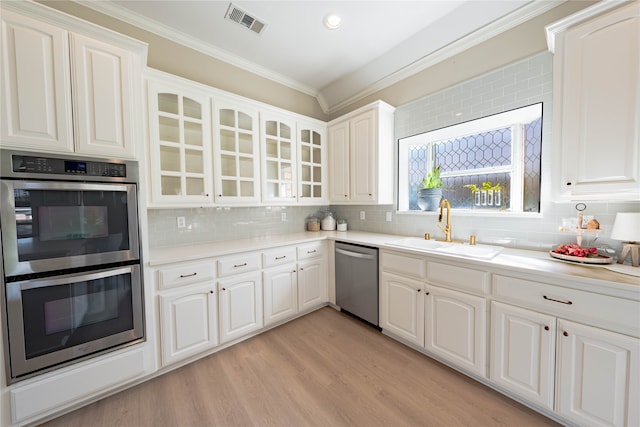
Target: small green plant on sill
{"x": 486, "y": 185}
{"x": 432, "y": 180}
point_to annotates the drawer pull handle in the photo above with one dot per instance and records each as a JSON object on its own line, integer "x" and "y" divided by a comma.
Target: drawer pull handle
{"x": 312, "y": 252}
{"x": 557, "y": 300}
{"x": 281, "y": 257}
{"x": 183, "y": 276}
{"x": 244, "y": 264}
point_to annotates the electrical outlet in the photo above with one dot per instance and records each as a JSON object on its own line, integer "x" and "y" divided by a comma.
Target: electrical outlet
{"x": 362, "y": 215}
{"x": 283, "y": 216}
{"x": 182, "y": 222}
{"x": 389, "y": 217}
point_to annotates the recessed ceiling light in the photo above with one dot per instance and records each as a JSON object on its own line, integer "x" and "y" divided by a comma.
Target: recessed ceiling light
{"x": 332, "y": 21}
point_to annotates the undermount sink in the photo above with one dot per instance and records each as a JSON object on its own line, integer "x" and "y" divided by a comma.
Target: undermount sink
{"x": 465, "y": 250}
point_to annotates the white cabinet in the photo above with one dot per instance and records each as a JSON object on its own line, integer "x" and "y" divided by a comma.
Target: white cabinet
{"x": 596, "y": 370}
{"x": 240, "y": 305}
{"x": 236, "y": 152}
{"x": 455, "y": 328}
{"x": 312, "y": 163}
{"x": 313, "y": 288}
{"x": 64, "y": 91}
{"x": 180, "y": 144}
{"x": 596, "y": 86}
{"x": 523, "y": 353}
{"x": 402, "y": 307}
{"x": 402, "y": 295}
{"x": 598, "y": 376}
{"x": 279, "y": 162}
{"x": 280, "y": 293}
{"x": 36, "y": 85}
{"x": 188, "y": 321}
{"x": 361, "y": 156}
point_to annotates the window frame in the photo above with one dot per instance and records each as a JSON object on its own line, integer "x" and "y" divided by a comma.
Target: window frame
{"x": 515, "y": 119}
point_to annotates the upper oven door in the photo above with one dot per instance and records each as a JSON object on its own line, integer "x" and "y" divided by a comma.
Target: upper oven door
{"x": 49, "y": 226}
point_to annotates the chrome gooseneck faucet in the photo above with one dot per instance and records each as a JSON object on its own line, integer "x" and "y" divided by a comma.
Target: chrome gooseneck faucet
{"x": 447, "y": 228}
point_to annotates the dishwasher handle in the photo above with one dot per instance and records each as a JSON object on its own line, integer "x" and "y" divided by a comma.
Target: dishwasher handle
{"x": 354, "y": 254}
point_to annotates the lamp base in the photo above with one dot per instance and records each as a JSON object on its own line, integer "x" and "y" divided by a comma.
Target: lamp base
{"x": 634, "y": 249}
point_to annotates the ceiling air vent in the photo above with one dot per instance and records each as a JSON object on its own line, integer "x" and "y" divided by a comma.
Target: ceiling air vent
{"x": 239, "y": 16}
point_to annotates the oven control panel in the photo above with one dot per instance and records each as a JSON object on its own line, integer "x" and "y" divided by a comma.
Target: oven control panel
{"x": 32, "y": 164}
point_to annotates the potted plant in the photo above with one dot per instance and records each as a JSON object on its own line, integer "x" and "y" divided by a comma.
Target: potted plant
{"x": 487, "y": 194}
{"x": 430, "y": 193}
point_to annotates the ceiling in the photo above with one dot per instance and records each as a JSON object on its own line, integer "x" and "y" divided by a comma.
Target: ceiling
{"x": 379, "y": 42}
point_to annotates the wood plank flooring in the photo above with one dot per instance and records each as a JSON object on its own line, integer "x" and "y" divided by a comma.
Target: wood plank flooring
{"x": 323, "y": 369}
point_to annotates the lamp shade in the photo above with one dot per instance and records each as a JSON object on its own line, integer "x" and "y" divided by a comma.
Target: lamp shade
{"x": 626, "y": 227}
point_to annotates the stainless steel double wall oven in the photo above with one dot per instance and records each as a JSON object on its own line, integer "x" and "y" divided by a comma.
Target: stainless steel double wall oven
{"x": 71, "y": 272}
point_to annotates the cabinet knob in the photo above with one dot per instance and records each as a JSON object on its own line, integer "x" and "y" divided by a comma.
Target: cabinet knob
{"x": 224, "y": 289}
{"x": 568, "y": 183}
{"x": 346, "y": 195}
{"x": 419, "y": 290}
{"x": 565, "y": 333}
{"x": 211, "y": 292}
{"x": 546, "y": 328}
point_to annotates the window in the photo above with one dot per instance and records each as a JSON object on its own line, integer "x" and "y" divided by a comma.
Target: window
{"x": 491, "y": 163}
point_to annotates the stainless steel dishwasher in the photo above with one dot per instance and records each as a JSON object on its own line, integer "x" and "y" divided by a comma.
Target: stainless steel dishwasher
{"x": 357, "y": 280}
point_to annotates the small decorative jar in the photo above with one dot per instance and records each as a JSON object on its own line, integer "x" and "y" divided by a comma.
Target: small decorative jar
{"x": 328, "y": 222}
{"x": 342, "y": 225}
{"x": 313, "y": 223}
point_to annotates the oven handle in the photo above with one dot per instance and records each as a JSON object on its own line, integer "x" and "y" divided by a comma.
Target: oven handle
{"x": 75, "y": 277}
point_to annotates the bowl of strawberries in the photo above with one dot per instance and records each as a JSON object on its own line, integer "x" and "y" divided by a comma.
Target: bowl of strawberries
{"x": 576, "y": 253}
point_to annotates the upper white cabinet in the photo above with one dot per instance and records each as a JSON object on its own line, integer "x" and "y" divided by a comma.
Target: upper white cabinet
{"x": 66, "y": 91}
{"x": 596, "y": 102}
{"x": 236, "y": 152}
{"x": 312, "y": 163}
{"x": 361, "y": 156}
{"x": 279, "y": 163}
{"x": 179, "y": 144}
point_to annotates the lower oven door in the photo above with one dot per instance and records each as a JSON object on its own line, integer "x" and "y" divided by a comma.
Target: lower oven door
{"x": 52, "y": 321}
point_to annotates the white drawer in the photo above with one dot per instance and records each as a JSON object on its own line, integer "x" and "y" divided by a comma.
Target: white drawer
{"x": 403, "y": 264}
{"x": 615, "y": 313}
{"x": 312, "y": 250}
{"x": 236, "y": 264}
{"x": 466, "y": 279}
{"x": 279, "y": 256}
{"x": 185, "y": 274}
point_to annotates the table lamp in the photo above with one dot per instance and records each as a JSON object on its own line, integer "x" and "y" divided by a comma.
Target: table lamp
{"x": 626, "y": 227}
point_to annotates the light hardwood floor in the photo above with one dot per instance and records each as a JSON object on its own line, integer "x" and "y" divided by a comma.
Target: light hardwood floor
{"x": 323, "y": 369}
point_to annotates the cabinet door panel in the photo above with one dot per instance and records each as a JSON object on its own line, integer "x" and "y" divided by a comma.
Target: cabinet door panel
{"x": 188, "y": 322}
{"x": 36, "y": 85}
{"x": 240, "y": 306}
{"x": 103, "y": 96}
{"x": 456, "y": 328}
{"x": 280, "y": 294}
{"x": 402, "y": 307}
{"x": 523, "y": 352}
{"x": 312, "y": 283}
{"x": 312, "y": 164}
{"x": 363, "y": 146}
{"x": 339, "y": 162}
{"x": 601, "y": 106}
{"x": 599, "y": 376}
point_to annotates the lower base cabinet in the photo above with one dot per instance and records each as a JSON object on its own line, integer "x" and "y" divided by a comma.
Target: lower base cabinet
{"x": 523, "y": 353}
{"x": 402, "y": 307}
{"x": 312, "y": 283}
{"x": 189, "y": 322}
{"x": 598, "y": 376}
{"x": 280, "y": 293}
{"x": 597, "y": 372}
{"x": 455, "y": 328}
{"x": 240, "y": 305}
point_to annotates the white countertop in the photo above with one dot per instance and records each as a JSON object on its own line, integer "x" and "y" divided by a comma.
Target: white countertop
{"x": 522, "y": 261}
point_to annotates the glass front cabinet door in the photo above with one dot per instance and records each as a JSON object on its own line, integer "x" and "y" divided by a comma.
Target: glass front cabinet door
{"x": 180, "y": 146}
{"x": 312, "y": 172}
{"x": 278, "y": 143}
{"x": 236, "y": 153}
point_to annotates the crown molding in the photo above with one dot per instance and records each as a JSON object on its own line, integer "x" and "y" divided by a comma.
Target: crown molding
{"x": 493, "y": 29}
{"x": 110, "y": 9}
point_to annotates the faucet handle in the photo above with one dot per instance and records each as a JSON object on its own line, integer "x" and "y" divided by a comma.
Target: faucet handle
{"x": 472, "y": 239}
{"x": 427, "y": 236}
